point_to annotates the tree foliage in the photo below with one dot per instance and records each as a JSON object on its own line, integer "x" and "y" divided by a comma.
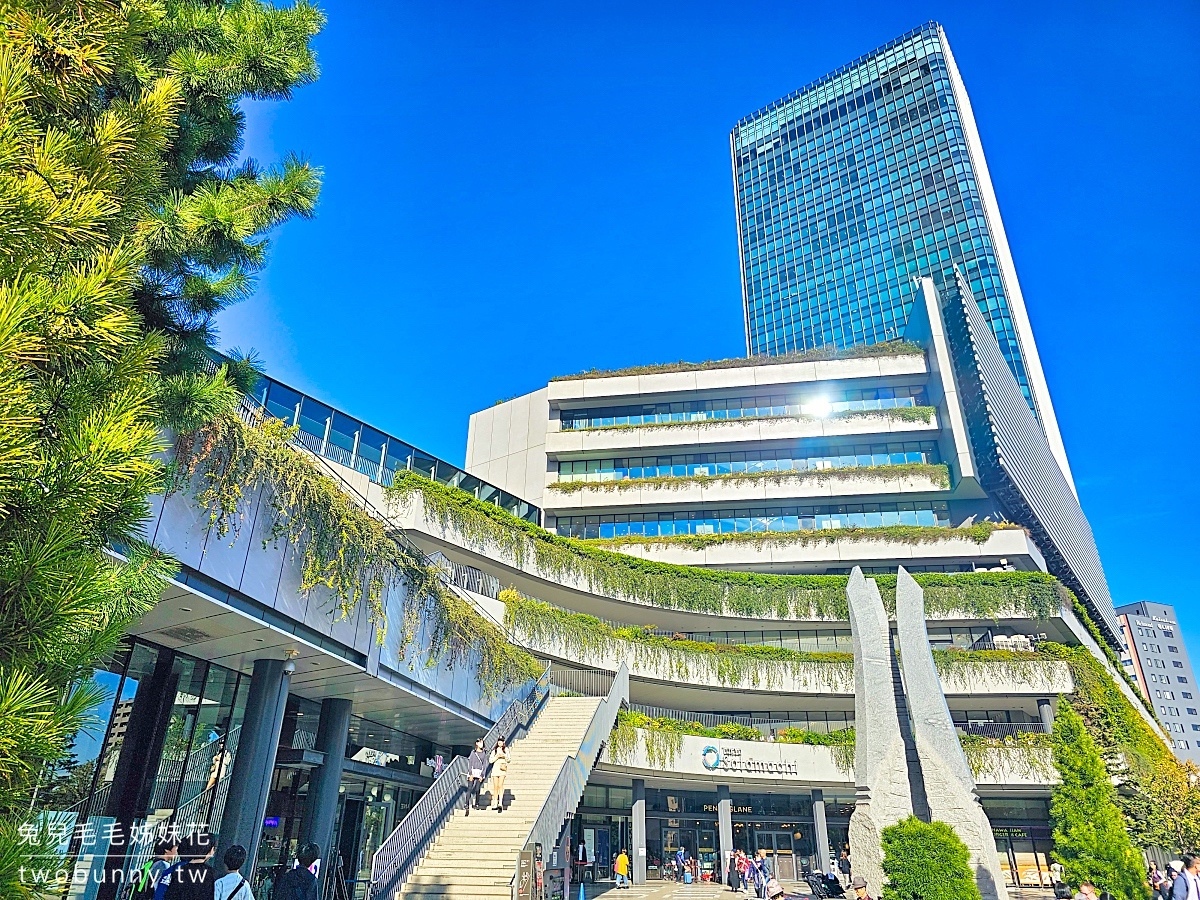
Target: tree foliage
{"x": 926, "y": 861}
{"x": 1090, "y": 839}
{"x": 126, "y": 224}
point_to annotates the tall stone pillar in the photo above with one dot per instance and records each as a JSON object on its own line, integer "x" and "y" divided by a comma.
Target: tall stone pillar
{"x": 882, "y": 796}
{"x": 820, "y": 831}
{"x": 949, "y": 782}
{"x": 250, "y": 780}
{"x": 639, "y": 831}
{"x": 321, "y": 811}
{"x": 1046, "y": 714}
{"x": 724, "y": 829}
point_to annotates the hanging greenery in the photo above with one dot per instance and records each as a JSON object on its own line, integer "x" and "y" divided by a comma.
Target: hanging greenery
{"x": 841, "y": 742}
{"x": 981, "y": 667}
{"x": 863, "y": 351}
{"x": 228, "y": 464}
{"x": 921, "y": 414}
{"x": 1025, "y": 754}
{"x": 584, "y": 637}
{"x": 939, "y": 475}
{"x": 978, "y": 533}
{"x": 743, "y": 594}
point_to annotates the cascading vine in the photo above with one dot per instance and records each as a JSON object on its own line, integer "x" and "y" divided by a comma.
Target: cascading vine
{"x": 738, "y": 594}
{"x": 228, "y": 464}
{"x": 938, "y": 474}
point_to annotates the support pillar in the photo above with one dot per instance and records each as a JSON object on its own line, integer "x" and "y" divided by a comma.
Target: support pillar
{"x": 250, "y": 780}
{"x": 1046, "y": 714}
{"x": 639, "y": 831}
{"x": 820, "y": 831}
{"x": 321, "y": 812}
{"x": 724, "y": 829}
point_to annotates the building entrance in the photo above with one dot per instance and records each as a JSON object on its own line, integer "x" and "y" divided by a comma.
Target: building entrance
{"x": 778, "y": 845}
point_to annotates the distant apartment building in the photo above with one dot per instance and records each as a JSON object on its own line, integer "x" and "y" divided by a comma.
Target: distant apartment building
{"x": 1158, "y": 660}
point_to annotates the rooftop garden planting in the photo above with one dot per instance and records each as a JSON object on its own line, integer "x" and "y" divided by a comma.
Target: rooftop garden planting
{"x": 742, "y": 594}
{"x": 228, "y": 464}
{"x": 939, "y": 474}
{"x": 584, "y": 637}
{"x": 866, "y": 351}
{"x": 921, "y": 414}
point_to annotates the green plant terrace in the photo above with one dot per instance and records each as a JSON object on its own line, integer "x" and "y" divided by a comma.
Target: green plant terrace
{"x": 866, "y": 351}
{"x": 920, "y": 414}
{"x": 937, "y": 473}
{"x": 717, "y": 592}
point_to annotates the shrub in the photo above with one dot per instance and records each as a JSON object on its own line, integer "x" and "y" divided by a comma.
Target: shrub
{"x": 1090, "y": 839}
{"x": 926, "y": 861}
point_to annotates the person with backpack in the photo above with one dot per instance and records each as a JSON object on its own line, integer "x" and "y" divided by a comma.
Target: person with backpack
{"x": 156, "y": 874}
{"x": 232, "y": 885}
{"x": 194, "y": 880}
{"x": 499, "y": 764}
{"x": 299, "y": 883}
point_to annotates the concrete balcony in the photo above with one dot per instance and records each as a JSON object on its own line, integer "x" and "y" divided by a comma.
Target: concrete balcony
{"x": 817, "y": 485}
{"x": 739, "y": 377}
{"x": 1035, "y": 677}
{"x": 783, "y": 555}
{"x": 731, "y": 431}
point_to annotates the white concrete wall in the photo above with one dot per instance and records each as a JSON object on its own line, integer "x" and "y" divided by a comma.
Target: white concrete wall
{"x": 506, "y": 445}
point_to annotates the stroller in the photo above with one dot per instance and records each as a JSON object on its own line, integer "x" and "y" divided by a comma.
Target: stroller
{"x": 824, "y": 886}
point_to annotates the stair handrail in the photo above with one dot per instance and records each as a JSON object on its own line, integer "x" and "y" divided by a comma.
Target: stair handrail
{"x": 405, "y": 847}
{"x": 567, "y": 788}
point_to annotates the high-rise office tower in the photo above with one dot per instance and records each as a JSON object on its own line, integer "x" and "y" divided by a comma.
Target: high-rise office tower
{"x": 1158, "y": 660}
{"x": 849, "y": 189}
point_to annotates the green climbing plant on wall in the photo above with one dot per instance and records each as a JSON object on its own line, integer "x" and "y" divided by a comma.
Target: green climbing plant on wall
{"x": 742, "y": 594}
{"x": 939, "y": 475}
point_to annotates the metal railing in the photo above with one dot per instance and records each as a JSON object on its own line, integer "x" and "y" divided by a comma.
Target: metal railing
{"x": 404, "y": 848}
{"x": 566, "y": 682}
{"x": 468, "y": 578}
{"x": 999, "y": 730}
{"x": 567, "y": 788}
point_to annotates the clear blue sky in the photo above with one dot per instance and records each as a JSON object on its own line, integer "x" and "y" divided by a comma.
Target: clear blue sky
{"x": 515, "y": 191}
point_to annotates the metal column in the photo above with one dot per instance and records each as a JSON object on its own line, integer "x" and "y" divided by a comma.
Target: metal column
{"x": 332, "y": 730}
{"x": 724, "y": 829}
{"x": 1046, "y": 714}
{"x": 821, "y": 831}
{"x": 250, "y": 780}
{"x": 639, "y": 831}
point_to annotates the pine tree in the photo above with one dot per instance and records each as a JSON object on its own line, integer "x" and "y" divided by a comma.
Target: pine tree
{"x": 125, "y": 227}
{"x": 1090, "y": 838}
{"x": 926, "y": 861}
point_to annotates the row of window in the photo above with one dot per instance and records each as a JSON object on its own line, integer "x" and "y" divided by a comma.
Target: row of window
{"x": 813, "y": 402}
{"x": 747, "y": 462}
{"x": 734, "y": 521}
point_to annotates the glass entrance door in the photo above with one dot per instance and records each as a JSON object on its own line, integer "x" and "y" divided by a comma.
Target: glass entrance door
{"x": 778, "y": 845}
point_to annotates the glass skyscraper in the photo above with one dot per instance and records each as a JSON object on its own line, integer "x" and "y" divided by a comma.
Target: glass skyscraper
{"x": 852, "y": 187}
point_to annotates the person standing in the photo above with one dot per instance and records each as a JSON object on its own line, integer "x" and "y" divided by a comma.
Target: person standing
{"x": 232, "y": 885}
{"x": 761, "y": 872}
{"x": 476, "y": 766}
{"x": 299, "y": 883}
{"x": 859, "y": 885}
{"x": 1087, "y": 891}
{"x": 194, "y": 880}
{"x": 843, "y": 865}
{"x": 499, "y": 764}
{"x": 621, "y": 869}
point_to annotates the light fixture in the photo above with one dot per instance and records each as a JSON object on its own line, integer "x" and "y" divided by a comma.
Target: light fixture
{"x": 185, "y": 609}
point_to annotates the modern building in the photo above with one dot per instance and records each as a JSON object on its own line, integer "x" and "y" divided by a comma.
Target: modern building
{"x": 1157, "y": 659}
{"x": 849, "y": 188}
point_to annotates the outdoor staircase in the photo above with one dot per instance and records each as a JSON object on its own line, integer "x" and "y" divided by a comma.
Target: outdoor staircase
{"x": 475, "y": 854}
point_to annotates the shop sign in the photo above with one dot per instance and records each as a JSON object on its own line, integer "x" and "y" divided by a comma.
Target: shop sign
{"x": 732, "y": 759}
{"x": 733, "y": 810}
{"x": 1010, "y": 832}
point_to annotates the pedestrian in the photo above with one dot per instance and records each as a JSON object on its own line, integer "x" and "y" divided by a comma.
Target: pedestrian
{"x": 844, "y": 867}
{"x": 299, "y": 883}
{"x": 156, "y": 874}
{"x": 499, "y": 764}
{"x": 1087, "y": 891}
{"x": 1187, "y": 884}
{"x": 476, "y": 766}
{"x": 859, "y": 885}
{"x": 232, "y": 885}
{"x": 760, "y": 871}
{"x": 621, "y": 869}
{"x": 734, "y": 876}
{"x": 194, "y": 879}
{"x": 1153, "y": 876}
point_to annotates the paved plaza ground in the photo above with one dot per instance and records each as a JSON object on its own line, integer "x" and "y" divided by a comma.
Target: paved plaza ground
{"x": 670, "y": 890}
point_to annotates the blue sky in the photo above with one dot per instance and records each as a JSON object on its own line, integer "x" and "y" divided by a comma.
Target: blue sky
{"x": 515, "y": 191}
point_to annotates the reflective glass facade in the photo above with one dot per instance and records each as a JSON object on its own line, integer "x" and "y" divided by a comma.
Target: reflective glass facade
{"x": 814, "y": 402}
{"x": 750, "y": 462}
{"x": 851, "y": 187}
{"x": 777, "y": 518}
